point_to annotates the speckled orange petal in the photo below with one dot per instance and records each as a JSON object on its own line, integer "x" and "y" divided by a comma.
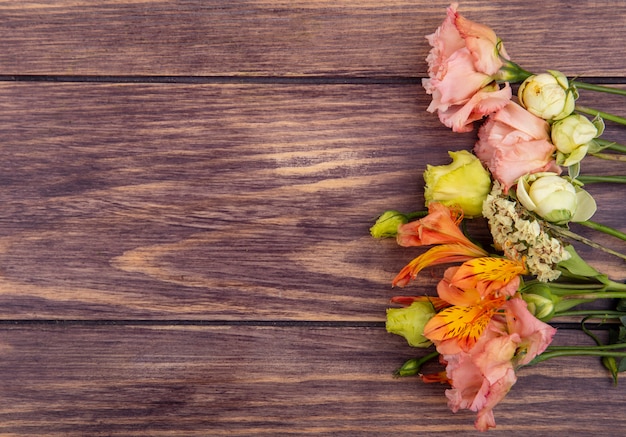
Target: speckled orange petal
{"x": 463, "y": 324}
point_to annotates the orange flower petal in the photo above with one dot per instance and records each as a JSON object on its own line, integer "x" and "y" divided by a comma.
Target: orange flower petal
{"x": 444, "y": 253}
{"x": 487, "y": 274}
{"x": 463, "y": 324}
{"x": 440, "y": 226}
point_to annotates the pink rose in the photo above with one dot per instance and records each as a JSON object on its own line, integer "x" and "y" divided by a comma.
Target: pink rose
{"x": 461, "y": 67}
{"x": 513, "y": 142}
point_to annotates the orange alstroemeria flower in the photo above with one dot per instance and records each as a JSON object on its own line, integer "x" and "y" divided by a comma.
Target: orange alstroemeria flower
{"x": 442, "y": 254}
{"x": 462, "y": 324}
{"x": 477, "y": 290}
{"x": 440, "y": 226}
{"x": 488, "y": 274}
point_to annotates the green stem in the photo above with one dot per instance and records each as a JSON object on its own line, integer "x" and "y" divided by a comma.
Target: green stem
{"x": 577, "y": 352}
{"x": 599, "y": 88}
{"x": 603, "y": 228}
{"x": 612, "y": 145}
{"x": 571, "y": 235}
{"x": 598, "y": 314}
{"x": 604, "y": 115}
{"x": 588, "y": 179}
{"x": 599, "y": 347}
{"x": 599, "y": 295}
{"x": 609, "y": 156}
{"x": 416, "y": 214}
{"x": 413, "y": 366}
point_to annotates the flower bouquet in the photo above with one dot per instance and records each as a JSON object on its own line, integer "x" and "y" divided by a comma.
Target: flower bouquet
{"x": 493, "y": 306}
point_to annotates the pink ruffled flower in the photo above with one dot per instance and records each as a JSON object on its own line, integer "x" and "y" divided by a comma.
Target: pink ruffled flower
{"x": 535, "y": 335}
{"x": 482, "y": 376}
{"x": 513, "y": 142}
{"x": 462, "y": 66}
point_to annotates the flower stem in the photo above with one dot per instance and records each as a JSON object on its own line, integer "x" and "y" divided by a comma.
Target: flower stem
{"x": 599, "y": 295}
{"x": 604, "y": 115}
{"x": 571, "y": 235}
{"x": 609, "y": 156}
{"x": 612, "y": 145}
{"x": 588, "y": 351}
{"x": 588, "y": 179}
{"x": 599, "y": 88}
{"x": 413, "y": 366}
{"x": 416, "y": 214}
{"x": 603, "y": 228}
{"x": 598, "y": 314}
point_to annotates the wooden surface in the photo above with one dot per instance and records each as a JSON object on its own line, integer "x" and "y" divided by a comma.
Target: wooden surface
{"x": 186, "y": 192}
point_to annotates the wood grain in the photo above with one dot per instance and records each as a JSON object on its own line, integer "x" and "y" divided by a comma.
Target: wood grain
{"x": 247, "y": 380}
{"x": 186, "y": 192}
{"x": 293, "y": 38}
{"x": 213, "y": 202}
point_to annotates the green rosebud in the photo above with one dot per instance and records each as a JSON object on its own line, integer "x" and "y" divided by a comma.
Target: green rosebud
{"x": 386, "y": 225}
{"x": 409, "y": 322}
{"x": 548, "y": 95}
{"x": 554, "y": 199}
{"x": 464, "y": 183}
{"x": 572, "y": 137}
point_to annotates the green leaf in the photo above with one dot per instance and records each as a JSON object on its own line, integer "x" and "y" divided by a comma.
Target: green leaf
{"x": 611, "y": 364}
{"x": 577, "y": 268}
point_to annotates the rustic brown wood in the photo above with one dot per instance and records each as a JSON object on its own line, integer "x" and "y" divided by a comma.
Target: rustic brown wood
{"x": 214, "y": 201}
{"x": 308, "y": 37}
{"x": 186, "y": 190}
{"x": 246, "y": 380}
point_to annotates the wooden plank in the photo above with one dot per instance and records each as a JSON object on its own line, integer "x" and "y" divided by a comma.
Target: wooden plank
{"x": 214, "y": 201}
{"x": 247, "y": 380}
{"x": 304, "y": 37}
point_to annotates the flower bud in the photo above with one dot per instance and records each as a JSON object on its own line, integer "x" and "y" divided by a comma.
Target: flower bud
{"x": 540, "y": 300}
{"x": 409, "y": 322}
{"x": 554, "y": 198}
{"x": 386, "y": 225}
{"x": 572, "y": 136}
{"x": 548, "y": 95}
{"x": 464, "y": 183}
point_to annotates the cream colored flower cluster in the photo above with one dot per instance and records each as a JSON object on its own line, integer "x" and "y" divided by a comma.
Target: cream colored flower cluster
{"x": 522, "y": 238}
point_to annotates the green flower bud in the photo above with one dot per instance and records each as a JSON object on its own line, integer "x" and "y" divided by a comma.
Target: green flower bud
{"x": 464, "y": 183}
{"x": 548, "y": 95}
{"x": 409, "y": 322}
{"x": 540, "y": 300}
{"x": 572, "y": 137}
{"x": 386, "y": 225}
{"x": 554, "y": 199}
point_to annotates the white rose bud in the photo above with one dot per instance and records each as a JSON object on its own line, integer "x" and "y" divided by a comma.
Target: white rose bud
{"x": 548, "y": 95}
{"x": 555, "y": 199}
{"x": 572, "y": 137}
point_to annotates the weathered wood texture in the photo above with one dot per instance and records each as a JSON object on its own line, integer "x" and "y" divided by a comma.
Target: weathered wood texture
{"x": 286, "y": 38}
{"x": 248, "y": 381}
{"x": 206, "y": 229}
{"x": 214, "y": 201}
